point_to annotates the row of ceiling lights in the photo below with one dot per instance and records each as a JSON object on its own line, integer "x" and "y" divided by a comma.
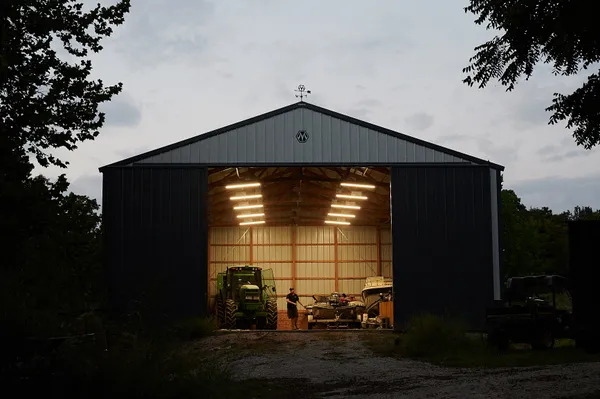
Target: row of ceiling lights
{"x": 356, "y": 196}
{"x": 250, "y": 212}
{"x": 254, "y": 211}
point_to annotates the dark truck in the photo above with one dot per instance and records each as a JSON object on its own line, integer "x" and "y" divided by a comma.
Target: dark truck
{"x": 536, "y": 310}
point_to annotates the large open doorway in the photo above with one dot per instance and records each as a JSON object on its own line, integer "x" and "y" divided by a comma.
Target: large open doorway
{"x": 321, "y": 230}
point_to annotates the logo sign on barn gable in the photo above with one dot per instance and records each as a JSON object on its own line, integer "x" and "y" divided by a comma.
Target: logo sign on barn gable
{"x": 302, "y": 136}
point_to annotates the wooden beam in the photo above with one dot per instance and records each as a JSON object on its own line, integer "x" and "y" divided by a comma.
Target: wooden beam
{"x": 300, "y": 219}
{"x": 251, "y": 249}
{"x": 335, "y": 259}
{"x": 303, "y": 261}
{"x": 285, "y": 223}
{"x": 209, "y": 255}
{"x": 324, "y": 178}
{"x": 294, "y": 255}
{"x": 259, "y": 174}
{"x": 313, "y": 244}
{"x": 378, "y": 237}
{"x": 288, "y": 175}
{"x": 303, "y": 212}
{"x": 309, "y": 192}
{"x": 290, "y": 203}
{"x": 262, "y": 174}
{"x": 284, "y": 278}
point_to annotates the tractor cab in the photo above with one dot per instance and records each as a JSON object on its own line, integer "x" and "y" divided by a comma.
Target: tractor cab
{"x": 244, "y": 283}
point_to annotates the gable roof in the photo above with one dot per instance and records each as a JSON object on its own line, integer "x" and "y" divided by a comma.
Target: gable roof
{"x": 293, "y": 107}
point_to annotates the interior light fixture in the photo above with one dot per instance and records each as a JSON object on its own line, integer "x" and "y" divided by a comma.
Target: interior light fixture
{"x": 248, "y": 206}
{"x": 251, "y": 215}
{"x": 370, "y": 186}
{"x": 254, "y": 222}
{"x": 341, "y": 215}
{"x": 347, "y": 196}
{"x": 337, "y": 222}
{"x": 243, "y": 197}
{"x": 243, "y": 185}
{"x": 345, "y": 206}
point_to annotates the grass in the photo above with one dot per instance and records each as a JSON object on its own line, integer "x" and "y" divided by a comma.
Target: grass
{"x": 165, "y": 365}
{"x": 445, "y": 342}
{"x": 137, "y": 365}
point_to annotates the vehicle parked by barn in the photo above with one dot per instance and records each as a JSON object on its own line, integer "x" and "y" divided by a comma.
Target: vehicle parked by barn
{"x": 536, "y": 311}
{"x": 377, "y": 290}
{"x": 540, "y": 309}
{"x": 334, "y": 311}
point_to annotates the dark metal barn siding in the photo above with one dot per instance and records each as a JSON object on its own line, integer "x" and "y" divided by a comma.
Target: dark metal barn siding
{"x": 584, "y": 274}
{"x": 442, "y": 242}
{"x": 155, "y": 237}
{"x": 502, "y": 272}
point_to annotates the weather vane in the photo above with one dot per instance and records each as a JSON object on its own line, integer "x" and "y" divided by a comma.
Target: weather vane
{"x": 303, "y": 92}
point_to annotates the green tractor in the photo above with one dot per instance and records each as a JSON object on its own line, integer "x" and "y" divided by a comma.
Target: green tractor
{"x": 246, "y": 297}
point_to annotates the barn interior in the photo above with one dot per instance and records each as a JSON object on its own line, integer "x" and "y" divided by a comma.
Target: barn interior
{"x": 319, "y": 229}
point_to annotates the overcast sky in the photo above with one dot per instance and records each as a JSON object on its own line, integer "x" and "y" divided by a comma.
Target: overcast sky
{"x": 190, "y": 66}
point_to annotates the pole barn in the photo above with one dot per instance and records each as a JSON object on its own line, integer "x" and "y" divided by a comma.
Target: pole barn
{"x": 340, "y": 200}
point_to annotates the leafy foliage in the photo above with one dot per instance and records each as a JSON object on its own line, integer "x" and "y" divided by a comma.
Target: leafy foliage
{"x": 563, "y": 33}
{"x": 45, "y": 101}
{"x": 431, "y": 335}
{"x": 50, "y": 237}
{"x": 51, "y": 251}
{"x": 535, "y": 240}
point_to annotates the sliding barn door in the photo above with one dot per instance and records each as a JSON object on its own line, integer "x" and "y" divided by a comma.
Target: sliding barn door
{"x": 443, "y": 251}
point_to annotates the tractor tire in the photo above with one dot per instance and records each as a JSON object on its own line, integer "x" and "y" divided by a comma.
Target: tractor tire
{"x": 231, "y": 309}
{"x": 271, "y": 308}
{"x": 220, "y": 312}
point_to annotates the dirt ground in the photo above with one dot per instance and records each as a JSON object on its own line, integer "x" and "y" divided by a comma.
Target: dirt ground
{"x": 341, "y": 364}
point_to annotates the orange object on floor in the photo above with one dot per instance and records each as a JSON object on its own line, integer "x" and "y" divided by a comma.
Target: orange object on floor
{"x": 386, "y": 309}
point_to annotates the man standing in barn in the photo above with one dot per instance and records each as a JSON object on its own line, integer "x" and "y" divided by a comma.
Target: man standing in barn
{"x": 292, "y": 308}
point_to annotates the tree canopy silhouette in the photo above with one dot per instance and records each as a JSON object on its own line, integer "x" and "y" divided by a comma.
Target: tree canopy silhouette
{"x": 50, "y": 242}
{"x": 47, "y": 102}
{"x": 564, "y": 33}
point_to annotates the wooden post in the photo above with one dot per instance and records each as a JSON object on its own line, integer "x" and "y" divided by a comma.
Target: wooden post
{"x": 378, "y": 240}
{"x": 209, "y": 238}
{"x": 335, "y": 258}
{"x": 251, "y": 255}
{"x": 294, "y": 256}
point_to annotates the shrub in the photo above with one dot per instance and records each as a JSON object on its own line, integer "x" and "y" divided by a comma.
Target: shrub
{"x": 194, "y": 328}
{"x": 168, "y": 332}
{"x": 429, "y": 335}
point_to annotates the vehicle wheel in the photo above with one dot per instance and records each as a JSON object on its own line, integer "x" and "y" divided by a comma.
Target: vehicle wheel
{"x": 543, "y": 341}
{"x": 230, "y": 311}
{"x": 271, "y": 308}
{"x": 220, "y": 312}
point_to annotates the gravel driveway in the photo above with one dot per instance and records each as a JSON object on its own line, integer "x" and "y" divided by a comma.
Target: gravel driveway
{"x": 340, "y": 364}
